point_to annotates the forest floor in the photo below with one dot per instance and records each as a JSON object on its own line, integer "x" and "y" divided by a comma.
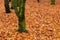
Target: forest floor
{"x": 42, "y": 22}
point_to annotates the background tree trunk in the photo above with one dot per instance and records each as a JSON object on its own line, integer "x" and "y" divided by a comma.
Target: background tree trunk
{"x": 52, "y": 2}
{"x": 6, "y": 4}
{"x": 38, "y": 1}
{"x": 20, "y": 14}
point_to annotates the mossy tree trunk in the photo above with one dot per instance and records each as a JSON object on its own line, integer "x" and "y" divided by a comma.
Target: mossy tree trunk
{"x": 52, "y": 2}
{"x": 20, "y": 14}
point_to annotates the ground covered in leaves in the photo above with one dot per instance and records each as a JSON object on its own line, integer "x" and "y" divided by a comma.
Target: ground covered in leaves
{"x": 42, "y": 22}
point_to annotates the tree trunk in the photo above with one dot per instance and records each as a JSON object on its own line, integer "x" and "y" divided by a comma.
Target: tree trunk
{"x": 38, "y": 1}
{"x": 52, "y": 2}
{"x": 20, "y": 14}
{"x": 6, "y": 4}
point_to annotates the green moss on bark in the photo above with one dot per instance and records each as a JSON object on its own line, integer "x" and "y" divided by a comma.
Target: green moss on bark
{"x": 52, "y": 2}
{"x": 20, "y": 14}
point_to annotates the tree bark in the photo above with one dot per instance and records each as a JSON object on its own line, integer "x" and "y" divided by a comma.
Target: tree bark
{"x": 20, "y": 14}
{"x": 52, "y": 2}
{"x": 6, "y": 4}
{"x": 38, "y": 1}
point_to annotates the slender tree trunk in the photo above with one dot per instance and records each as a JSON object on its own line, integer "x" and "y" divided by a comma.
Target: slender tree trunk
{"x": 20, "y": 14}
{"x": 52, "y": 2}
{"x": 38, "y": 1}
{"x": 6, "y": 4}
{"x": 21, "y": 17}
{"x": 9, "y": 0}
